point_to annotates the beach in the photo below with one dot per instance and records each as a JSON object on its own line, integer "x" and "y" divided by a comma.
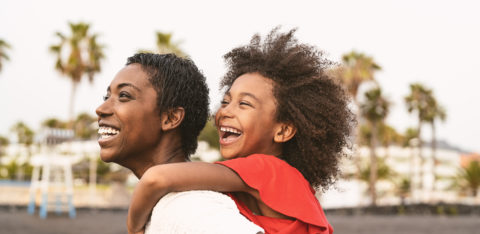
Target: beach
{"x": 16, "y": 220}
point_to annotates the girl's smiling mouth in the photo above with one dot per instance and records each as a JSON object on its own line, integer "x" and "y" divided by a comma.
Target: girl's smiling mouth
{"x": 229, "y": 135}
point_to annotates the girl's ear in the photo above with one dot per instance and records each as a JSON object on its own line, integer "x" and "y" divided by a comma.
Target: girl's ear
{"x": 172, "y": 118}
{"x": 284, "y": 133}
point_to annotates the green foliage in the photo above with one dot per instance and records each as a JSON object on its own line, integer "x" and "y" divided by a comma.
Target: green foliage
{"x": 3, "y": 143}
{"x": 376, "y": 107}
{"x": 24, "y": 133}
{"x": 84, "y": 128}
{"x": 83, "y": 56}
{"x": 83, "y": 125}
{"x": 84, "y": 53}
{"x": 389, "y": 135}
{"x": 384, "y": 172}
{"x": 357, "y": 68}
{"x": 103, "y": 169}
{"x": 54, "y": 123}
{"x": 3, "y": 54}
{"x": 422, "y": 101}
{"x": 210, "y": 135}
{"x": 419, "y": 100}
{"x": 410, "y": 134}
{"x": 14, "y": 169}
{"x": 468, "y": 178}
{"x": 165, "y": 45}
{"x": 403, "y": 187}
{"x": 365, "y": 135}
{"x": 386, "y": 134}
{"x": 81, "y": 170}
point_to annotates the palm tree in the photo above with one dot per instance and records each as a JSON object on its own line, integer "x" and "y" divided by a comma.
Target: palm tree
{"x": 469, "y": 177}
{"x": 383, "y": 173}
{"x": 24, "y": 133}
{"x": 434, "y": 112}
{"x": 357, "y": 68}
{"x": 84, "y": 126}
{"x": 84, "y": 56}
{"x": 3, "y": 54}
{"x": 388, "y": 136}
{"x": 403, "y": 189}
{"x": 4, "y": 142}
{"x": 375, "y": 109}
{"x": 418, "y": 102}
{"x": 165, "y": 45}
{"x": 410, "y": 138}
{"x": 54, "y": 123}
{"x": 24, "y": 136}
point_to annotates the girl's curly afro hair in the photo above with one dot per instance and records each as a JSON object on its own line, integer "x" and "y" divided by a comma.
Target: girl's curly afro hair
{"x": 306, "y": 97}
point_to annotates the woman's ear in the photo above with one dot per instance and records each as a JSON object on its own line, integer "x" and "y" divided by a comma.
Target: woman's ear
{"x": 172, "y": 118}
{"x": 284, "y": 133}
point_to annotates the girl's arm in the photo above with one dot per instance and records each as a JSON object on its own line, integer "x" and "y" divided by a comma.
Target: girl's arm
{"x": 159, "y": 180}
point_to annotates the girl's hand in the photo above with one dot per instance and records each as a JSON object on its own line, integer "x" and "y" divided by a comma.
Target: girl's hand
{"x": 148, "y": 191}
{"x": 139, "y": 232}
{"x": 159, "y": 180}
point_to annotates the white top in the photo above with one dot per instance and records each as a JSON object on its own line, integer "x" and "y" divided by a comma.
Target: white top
{"x": 198, "y": 212}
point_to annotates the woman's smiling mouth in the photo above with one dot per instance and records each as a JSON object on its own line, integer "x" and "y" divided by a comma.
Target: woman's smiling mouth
{"x": 106, "y": 133}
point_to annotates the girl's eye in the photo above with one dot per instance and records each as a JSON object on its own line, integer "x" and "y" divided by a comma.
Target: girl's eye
{"x": 224, "y": 102}
{"x": 245, "y": 104}
{"x": 105, "y": 98}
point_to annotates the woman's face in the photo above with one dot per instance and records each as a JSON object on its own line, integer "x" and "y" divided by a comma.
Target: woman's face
{"x": 246, "y": 119}
{"x": 128, "y": 119}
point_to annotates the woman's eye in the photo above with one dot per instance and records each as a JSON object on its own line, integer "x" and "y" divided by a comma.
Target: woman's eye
{"x": 124, "y": 95}
{"x": 105, "y": 98}
{"x": 224, "y": 102}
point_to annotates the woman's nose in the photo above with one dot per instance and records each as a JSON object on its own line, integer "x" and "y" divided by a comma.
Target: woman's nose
{"x": 104, "y": 109}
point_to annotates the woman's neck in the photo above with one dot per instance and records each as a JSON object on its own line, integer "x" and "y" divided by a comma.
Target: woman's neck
{"x": 168, "y": 150}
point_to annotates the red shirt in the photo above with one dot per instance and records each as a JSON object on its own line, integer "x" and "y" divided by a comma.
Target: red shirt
{"x": 284, "y": 189}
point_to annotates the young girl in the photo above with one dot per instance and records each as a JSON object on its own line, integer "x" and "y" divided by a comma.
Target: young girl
{"x": 283, "y": 125}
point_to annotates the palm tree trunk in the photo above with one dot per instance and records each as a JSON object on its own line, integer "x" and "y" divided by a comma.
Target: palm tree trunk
{"x": 411, "y": 169}
{"x": 422, "y": 160}
{"x": 373, "y": 165}
{"x": 357, "y": 139}
{"x": 434, "y": 157}
{"x": 92, "y": 181}
{"x": 71, "y": 105}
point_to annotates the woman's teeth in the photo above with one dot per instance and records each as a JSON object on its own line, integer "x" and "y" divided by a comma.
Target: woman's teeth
{"x": 106, "y": 132}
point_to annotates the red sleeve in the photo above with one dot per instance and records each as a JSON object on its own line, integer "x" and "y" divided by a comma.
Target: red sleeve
{"x": 281, "y": 187}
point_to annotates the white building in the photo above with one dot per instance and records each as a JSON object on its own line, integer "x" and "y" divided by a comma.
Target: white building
{"x": 406, "y": 163}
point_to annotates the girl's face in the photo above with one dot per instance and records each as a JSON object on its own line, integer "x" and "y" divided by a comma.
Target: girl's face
{"x": 246, "y": 119}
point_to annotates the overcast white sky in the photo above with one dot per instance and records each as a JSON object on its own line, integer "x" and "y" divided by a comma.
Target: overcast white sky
{"x": 436, "y": 43}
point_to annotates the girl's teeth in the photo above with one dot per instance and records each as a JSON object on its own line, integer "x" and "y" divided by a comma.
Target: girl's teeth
{"x": 232, "y": 130}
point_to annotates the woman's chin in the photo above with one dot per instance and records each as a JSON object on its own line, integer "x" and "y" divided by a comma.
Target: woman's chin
{"x": 107, "y": 156}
